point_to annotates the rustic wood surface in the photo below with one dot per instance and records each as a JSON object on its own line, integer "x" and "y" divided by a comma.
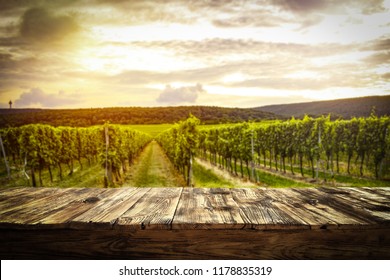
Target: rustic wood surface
{"x": 195, "y": 223}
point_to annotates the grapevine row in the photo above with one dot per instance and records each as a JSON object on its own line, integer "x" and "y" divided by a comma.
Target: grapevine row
{"x": 38, "y": 147}
{"x": 180, "y": 144}
{"x": 363, "y": 143}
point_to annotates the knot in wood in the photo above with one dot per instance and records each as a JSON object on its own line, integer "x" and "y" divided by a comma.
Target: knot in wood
{"x": 313, "y": 202}
{"x": 92, "y": 199}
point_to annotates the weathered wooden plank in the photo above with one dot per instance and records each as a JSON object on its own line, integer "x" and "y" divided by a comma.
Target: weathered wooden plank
{"x": 250, "y": 210}
{"x": 207, "y": 208}
{"x": 195, "y": 223}
{"x": 35, "y": 211}
{"x": 302, "y": 210}
{"x": 154, "y": 210}
{"x": 262, "y": 211}
{"x": 370, "y": 194}
{"x": 309, "y": 208}
{"x": 375, "y": 209}
{"x": 385, "y": 190}
{"x": 20, "y": 196}
{"x": 62, "y": 215}
{"x": 6, "y": 192}
{"x": 28, "y": 204}
{"x": 380, "y": 191}
{"x": 356, "y": 204}
{"x": 107, "y": 211}
{"x": 195, "y": 244}
{"x": 325, "y": 206}
{"x": 60, "y": 202}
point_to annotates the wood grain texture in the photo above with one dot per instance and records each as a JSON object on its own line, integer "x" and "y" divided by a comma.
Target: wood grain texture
{"x": 13, "y": 201}
{"x": 23, "y": 212}
{"x": 195, "y": 244}
{"x": 359, "y": 206}
{"x": 62, "y": 216}
{"x": 207, "y": 209}
{"x": 106, "y": 211}
{"x": 192, "y": 223}
{"x": 302, "y": 210}
{"x": 323, "y": 206}
{"x": 154, "y": 210}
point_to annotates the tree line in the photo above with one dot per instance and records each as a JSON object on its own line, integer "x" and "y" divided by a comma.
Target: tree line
{"x": 127, "y": 115}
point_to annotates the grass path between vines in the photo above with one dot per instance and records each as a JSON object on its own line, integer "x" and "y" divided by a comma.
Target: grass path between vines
{"x": 207, "y": 175}
{"x": 153, "y": 169}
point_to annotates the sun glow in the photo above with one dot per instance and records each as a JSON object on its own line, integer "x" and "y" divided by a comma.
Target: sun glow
{"x": 235, "y": 77}
{"x": 246, "y": 52}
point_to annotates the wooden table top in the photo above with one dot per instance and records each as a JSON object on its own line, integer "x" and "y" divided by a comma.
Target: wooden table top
{"x": 195, "y": 208}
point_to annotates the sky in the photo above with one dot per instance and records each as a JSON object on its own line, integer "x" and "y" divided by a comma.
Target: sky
{"x": 242, "y": 53}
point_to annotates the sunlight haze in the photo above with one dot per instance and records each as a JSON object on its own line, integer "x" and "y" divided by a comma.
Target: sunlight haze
{"x": 106, "y": 53}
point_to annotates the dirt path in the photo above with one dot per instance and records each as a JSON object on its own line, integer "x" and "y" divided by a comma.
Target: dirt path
{"x": 153, "y": 169}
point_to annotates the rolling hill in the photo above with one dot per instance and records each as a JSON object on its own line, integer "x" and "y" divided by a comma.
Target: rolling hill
{"x": 345, "y": 108}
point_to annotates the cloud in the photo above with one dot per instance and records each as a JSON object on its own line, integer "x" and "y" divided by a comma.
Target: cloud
{"x": 386, "y": 76}
{"x": 372, "y": 6}
{"x": 38, "y": 98}
{"x": 250, "y": 101}
{"x": 258, "y": 17}
{"x": 379, "y": 58}
{"x": 335, "y": 79}
{"x": 207, "y": 75}
{"x": 303, "y": 7}
{"x": 287, "y": 73}
{"x": 17, "y": 72}
{"x": 39, "y": 25}
{"x": 12, "y": 5}
{"x": 180, "y": 95}
{"x": 218, "y": 47}
{"x": 21, "y": 70}
{"x": 138, "y": 12}
{"x": 380, "y": 44}
{"x": 381, "y": 48}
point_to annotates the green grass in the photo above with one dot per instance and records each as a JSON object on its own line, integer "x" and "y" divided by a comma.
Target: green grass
{"x": 278, "y": 181}
{"x": 341, "y": 179}
{"x": 153, "y": 169}
{"x": 143, "y": 177}
{"x": 205, "y": 178}
{"x": 361, "y": 182}
{"x": 86, "y": 177}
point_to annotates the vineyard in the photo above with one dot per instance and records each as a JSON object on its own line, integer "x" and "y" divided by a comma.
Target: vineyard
{"x": 357, "y": 147}
{"x": 35, "y": 148}
{"x": 355, "y": 151}
{"x": 312, "y": 147}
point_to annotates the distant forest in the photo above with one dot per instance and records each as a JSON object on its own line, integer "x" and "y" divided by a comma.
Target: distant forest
{"x": 129, "y": 115}
{"x": 341, "y": 108}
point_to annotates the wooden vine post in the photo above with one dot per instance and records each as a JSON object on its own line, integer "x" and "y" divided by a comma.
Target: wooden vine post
{"x": 252, "y": 157}
{"x": 108, "y": 174}
{"x": 5, "y": 158}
